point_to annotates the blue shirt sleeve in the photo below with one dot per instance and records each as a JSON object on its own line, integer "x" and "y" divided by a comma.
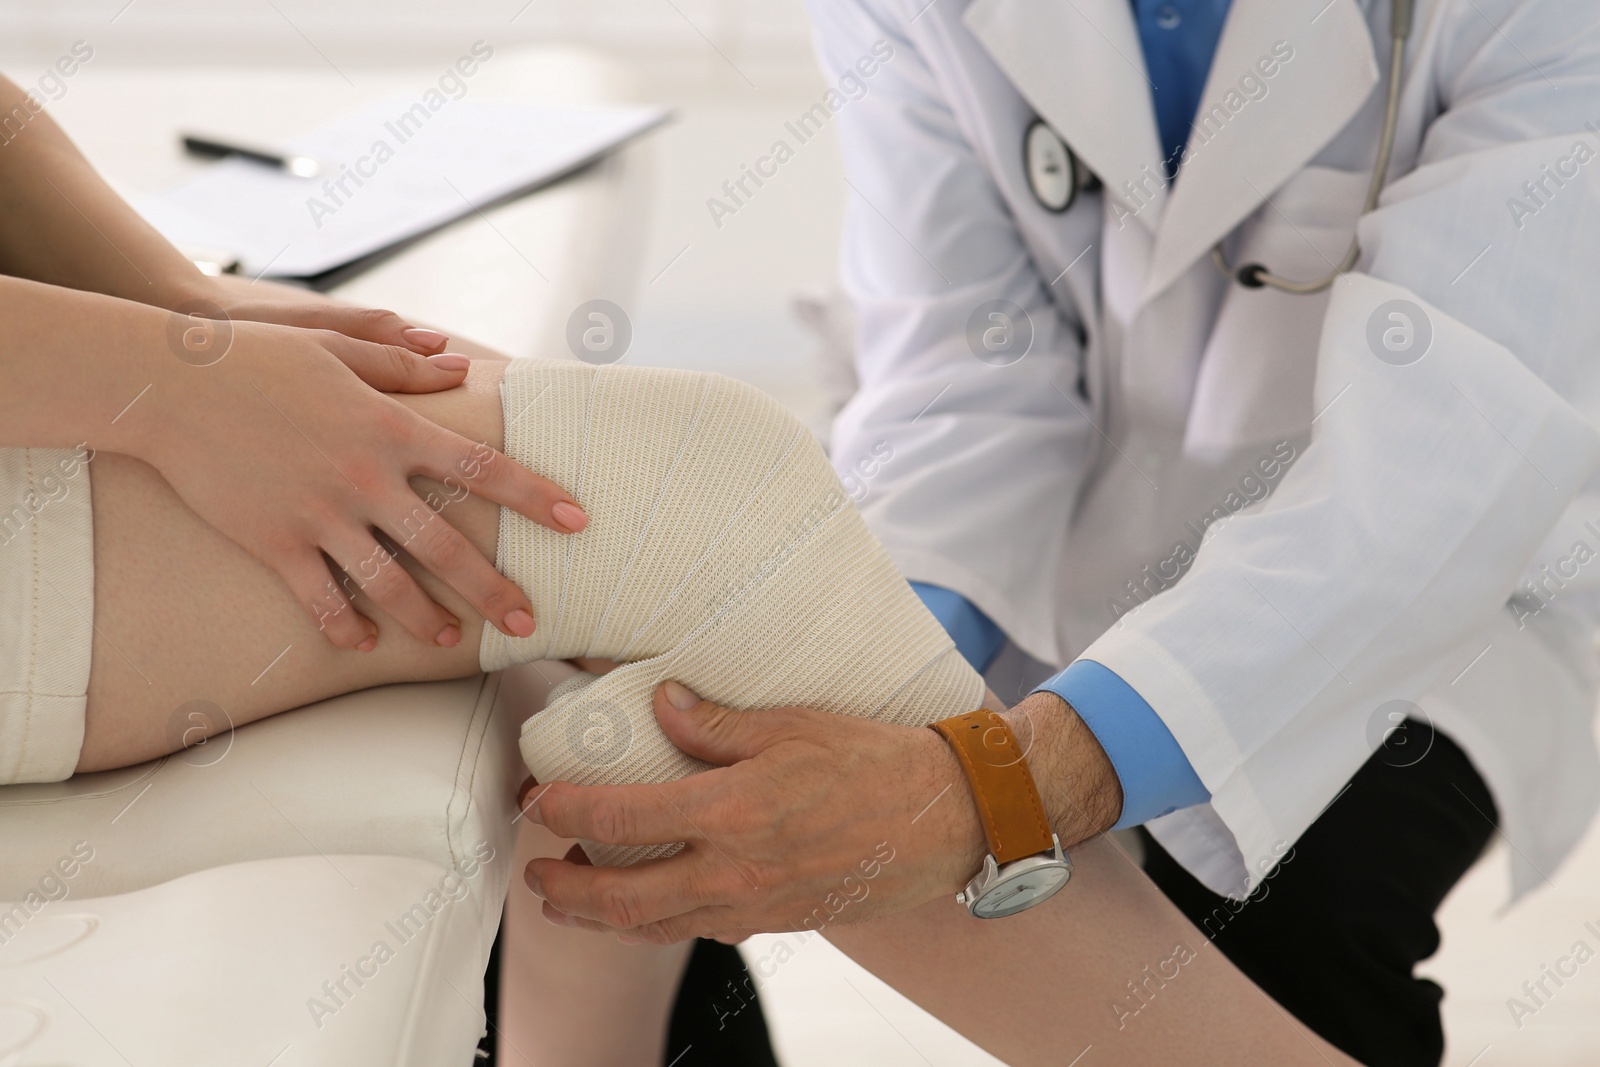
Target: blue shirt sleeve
{"x": 1157, "y": 778}
{"x": 976, "y": 636}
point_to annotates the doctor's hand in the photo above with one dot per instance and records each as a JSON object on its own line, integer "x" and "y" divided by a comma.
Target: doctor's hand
{"x": 809, "y": 819}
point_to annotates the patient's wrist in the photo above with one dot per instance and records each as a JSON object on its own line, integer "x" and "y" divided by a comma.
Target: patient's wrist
{"x": 176, "y": 284}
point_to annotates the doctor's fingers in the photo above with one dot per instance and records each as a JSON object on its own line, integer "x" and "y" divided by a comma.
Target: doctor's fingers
{"x": 647, "y": 814}
{"x": 713, "y": 922}
{"x": 648, "y": 894}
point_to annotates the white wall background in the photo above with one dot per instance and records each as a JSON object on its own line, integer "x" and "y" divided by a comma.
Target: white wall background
{"x": 756, "y": 36}
{"x": 731, "y": 70}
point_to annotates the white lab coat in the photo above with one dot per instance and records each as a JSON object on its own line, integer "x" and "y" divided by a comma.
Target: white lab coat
{"x": 1057, "y": 492}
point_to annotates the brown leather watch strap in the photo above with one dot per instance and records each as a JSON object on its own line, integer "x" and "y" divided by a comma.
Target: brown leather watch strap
{"x": 1008, "y": 800}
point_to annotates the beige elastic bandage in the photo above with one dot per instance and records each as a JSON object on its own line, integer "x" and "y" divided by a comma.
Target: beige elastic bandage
{"x": 721, "y": 552}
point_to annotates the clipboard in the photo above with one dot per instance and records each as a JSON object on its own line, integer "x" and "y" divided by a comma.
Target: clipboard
{"x": 393, "y": 173}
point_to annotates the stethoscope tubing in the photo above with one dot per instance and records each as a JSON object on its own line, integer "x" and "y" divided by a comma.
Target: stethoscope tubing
{"x": 1256, "y": 275}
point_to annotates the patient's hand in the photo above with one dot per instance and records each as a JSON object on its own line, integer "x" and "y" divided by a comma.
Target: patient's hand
{"x": 274, "y": 440}
{"x": 258, "y": 301}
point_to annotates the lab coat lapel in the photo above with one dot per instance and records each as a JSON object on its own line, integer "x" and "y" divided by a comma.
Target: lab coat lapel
{"x": 1241, "y": 150}
{"x": 1079, "y": 64}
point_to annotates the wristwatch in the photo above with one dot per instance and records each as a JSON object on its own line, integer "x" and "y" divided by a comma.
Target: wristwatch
{"x": 1025, "y": 865}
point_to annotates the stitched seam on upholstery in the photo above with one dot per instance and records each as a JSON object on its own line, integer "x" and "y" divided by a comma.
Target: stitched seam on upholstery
{"x": 478, "y": 704}
{"x": 455, "y": 781}
{"x": 72, "y": 798}
{"x": 33, "y": 621}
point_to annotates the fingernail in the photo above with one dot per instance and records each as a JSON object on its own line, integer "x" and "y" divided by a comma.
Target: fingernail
{"x": 519, "y": 623}
{"x": 369, "y": 644}
{"x": 560, "y": 919}
{"x": 450, "y": 361}
{"x": 678, "y": 696}
{"x": 534, "y": 885}
{"x": 424, "y": 338}
{"x": 449, "y": 637}
{"x": 628, "y": 940}
{"x": 570, "y": 515}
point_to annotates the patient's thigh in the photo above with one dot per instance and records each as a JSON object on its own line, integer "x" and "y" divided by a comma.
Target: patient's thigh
{"x": 183, "y": 615}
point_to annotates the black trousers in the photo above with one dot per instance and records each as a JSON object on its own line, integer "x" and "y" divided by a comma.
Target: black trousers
{"x": 1336, "y": 931}
{"x": 1333, "y": 935}
{"x": 717, "y": 1019}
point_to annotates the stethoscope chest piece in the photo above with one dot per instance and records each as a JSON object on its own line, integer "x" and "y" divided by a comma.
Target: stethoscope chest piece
{"x": 1054, "y": 172}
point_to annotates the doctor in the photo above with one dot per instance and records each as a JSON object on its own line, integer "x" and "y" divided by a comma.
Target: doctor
{"x": 1309, "y": 524}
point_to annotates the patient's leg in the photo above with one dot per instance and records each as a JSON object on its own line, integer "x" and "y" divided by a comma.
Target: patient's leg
{"x": 572, "y": 998}
{"x": 183, "y": 614}
{"x": 1108, "y": 962}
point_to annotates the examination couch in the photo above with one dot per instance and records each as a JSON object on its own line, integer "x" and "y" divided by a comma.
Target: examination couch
{"x": 322, "y": 887}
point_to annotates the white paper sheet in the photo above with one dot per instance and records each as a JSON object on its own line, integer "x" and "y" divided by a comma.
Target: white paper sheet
{"x": 391, "y": 171}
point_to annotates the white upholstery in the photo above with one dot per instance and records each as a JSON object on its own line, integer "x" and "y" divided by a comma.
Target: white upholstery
{"x": 226, "y": 883}
{"x": 424, "y": 771}
{"x": 221, "y": 967}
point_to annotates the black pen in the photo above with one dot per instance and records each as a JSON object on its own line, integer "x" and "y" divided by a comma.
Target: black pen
{"x": 206, "y": 148}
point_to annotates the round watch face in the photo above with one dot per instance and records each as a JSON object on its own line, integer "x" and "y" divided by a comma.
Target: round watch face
{"x": 1021, "y": 891}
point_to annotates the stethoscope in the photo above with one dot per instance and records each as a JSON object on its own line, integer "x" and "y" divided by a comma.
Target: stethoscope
{"x": 1055, "y": 174}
